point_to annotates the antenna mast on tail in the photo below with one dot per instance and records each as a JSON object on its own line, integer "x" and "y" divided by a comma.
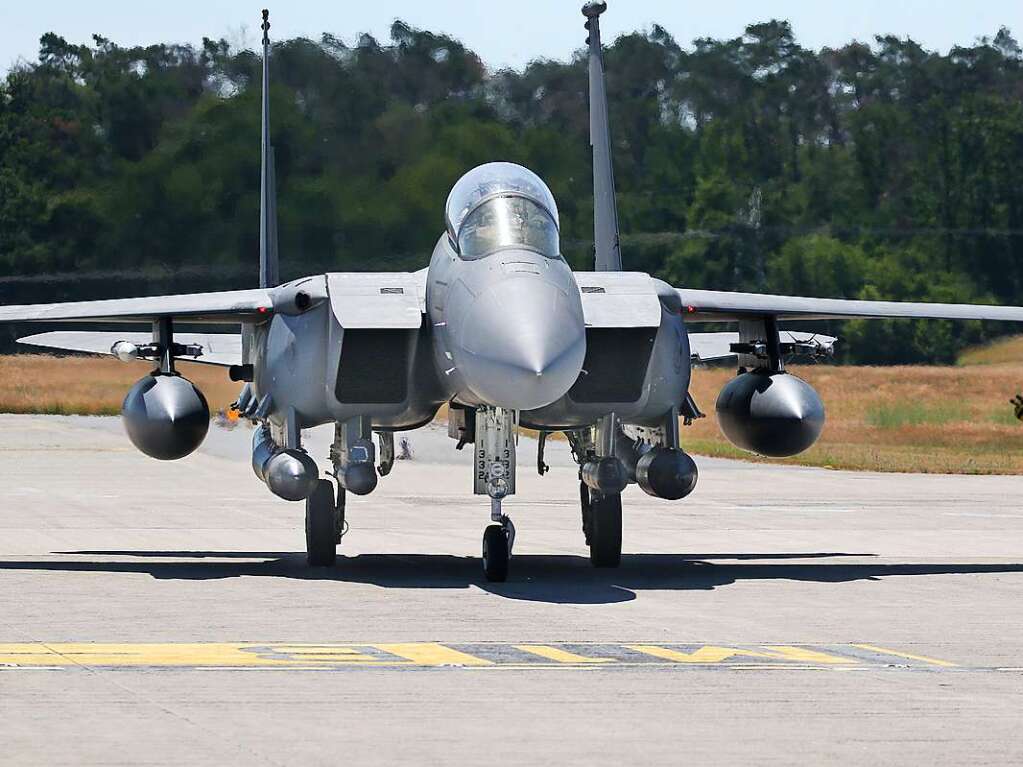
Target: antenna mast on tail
{"x": 605, "y": 209}
{"x": 269, "y": 276}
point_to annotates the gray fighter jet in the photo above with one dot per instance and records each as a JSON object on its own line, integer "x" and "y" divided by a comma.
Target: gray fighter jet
{"x": 500, "y": 330}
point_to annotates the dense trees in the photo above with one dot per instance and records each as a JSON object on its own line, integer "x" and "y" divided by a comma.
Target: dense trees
{"x": 752, "y": 163}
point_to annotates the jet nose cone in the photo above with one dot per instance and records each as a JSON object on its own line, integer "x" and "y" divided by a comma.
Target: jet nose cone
{"x": 522, "y": 344}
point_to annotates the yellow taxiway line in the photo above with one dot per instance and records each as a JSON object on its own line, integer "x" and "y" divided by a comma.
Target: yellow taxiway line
{"x": 432, "y": 654}
{"x": 254, "y": 655}
{"x": 908, "y": 656}
{"x": 559, "y": 655}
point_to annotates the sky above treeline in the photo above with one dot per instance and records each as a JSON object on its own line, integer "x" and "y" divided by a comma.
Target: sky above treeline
{"x": 503, "y": 34}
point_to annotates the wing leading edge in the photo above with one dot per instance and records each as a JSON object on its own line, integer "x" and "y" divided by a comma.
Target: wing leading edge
{"x": 226, "y": 308}
{"x": 720, "y": 306}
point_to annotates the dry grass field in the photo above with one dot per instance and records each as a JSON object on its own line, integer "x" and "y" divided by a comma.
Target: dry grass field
{"x": 914, "y": 419}
{"x": 41, "y": 383}
{"x": 949, "y": 420}
{"x": 1001, "y": 352}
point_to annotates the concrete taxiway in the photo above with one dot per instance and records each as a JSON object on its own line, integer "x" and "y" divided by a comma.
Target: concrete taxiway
{"x": 163, "y": 614}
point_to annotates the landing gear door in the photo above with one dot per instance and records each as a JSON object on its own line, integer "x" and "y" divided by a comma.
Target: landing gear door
{"x": 494, "y": 470}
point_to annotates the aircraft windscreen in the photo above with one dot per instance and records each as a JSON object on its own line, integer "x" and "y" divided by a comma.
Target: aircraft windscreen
{"x": 502, "y": 205}
{"x": 508, "y": 222}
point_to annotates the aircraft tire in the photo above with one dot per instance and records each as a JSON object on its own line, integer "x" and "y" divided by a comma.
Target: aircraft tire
{"x": 605, "y": 530}
{"x": 321, "y": 525}
{"x": 495, "y": 554}
{"x": 587, "y": 510}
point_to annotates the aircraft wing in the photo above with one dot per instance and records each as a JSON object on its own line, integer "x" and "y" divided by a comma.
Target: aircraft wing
{"x": 228, "y": 307}
{"x": 217, "y": 348}
{"x": 719, "y": 306}
{"x": 705, "y": 347}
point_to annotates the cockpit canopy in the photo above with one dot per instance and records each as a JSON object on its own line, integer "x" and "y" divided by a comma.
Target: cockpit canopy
{"x": 501, "y": 205}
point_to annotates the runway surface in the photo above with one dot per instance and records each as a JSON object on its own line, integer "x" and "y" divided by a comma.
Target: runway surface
{"x": 163, "y": 614}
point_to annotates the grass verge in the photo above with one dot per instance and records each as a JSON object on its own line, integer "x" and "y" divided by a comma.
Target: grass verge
{"x": 946, "y": 420}
{"x": 954, "y": 420}
{"x": 42, "y": 383}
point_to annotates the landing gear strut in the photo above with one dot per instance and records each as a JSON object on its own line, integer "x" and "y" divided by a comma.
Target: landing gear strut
{"x": 494, "y": 471}
{"x": 324, "y": 524}
{"x": 593, "y": 450}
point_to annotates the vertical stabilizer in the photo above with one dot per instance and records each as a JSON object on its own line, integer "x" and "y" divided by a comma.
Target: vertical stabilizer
{"x": 605, "y": 209}
{"x": 269, "y": 276}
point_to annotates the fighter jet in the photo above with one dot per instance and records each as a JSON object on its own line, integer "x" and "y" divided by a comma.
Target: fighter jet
{"x": 498, "y": 329}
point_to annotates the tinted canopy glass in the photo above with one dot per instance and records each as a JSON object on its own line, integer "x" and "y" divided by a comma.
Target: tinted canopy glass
{"x": 501, "y": 205}
{"x": 508, "y": 222}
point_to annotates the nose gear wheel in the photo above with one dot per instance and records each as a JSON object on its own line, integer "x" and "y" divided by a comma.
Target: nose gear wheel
{"x": 496, "y": 553}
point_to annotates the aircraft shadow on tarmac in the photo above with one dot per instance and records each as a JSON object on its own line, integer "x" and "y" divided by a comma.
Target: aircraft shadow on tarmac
{"x": 557, "y": 579}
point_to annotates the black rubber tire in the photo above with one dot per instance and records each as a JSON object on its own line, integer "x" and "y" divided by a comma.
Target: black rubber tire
{"x": 587, "y": 511}
{"x": 606, "y": 530}
{"x": 321, "y": 526}
{"x": 495, "y": 554}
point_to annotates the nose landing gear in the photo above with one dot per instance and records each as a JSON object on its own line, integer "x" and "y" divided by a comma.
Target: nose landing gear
{"x": 494, "y": 470}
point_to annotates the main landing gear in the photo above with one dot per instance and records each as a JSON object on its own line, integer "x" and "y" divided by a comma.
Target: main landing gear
{"x": 602, "y": 525}
{"x": 324, "y": 524}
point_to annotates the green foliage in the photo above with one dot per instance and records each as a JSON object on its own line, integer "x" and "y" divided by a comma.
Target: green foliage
{"x": 883, "y": 171}
{"x": 819, "y": 265}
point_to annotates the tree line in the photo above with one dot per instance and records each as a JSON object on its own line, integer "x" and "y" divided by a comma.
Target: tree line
{"x": 879, "y": 170}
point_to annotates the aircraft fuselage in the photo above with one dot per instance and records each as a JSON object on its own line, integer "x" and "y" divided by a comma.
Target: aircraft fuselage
{"x": 508, "y": 331}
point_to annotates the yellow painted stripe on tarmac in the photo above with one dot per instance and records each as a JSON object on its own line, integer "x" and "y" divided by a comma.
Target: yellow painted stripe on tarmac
{"x": 483, "y": 655}
{"x": 195, "y": 655}
{"x": 713, "y": 654}
{"x": 432, "y": 654}
{"x": 708, "y": 654}
{"x": 909, "y": 656}
{"x": 322, "y": 653}
{"x": 804, "y": 655}
{"x": 561, "y": 656}
{"x": 156, "y": 654}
